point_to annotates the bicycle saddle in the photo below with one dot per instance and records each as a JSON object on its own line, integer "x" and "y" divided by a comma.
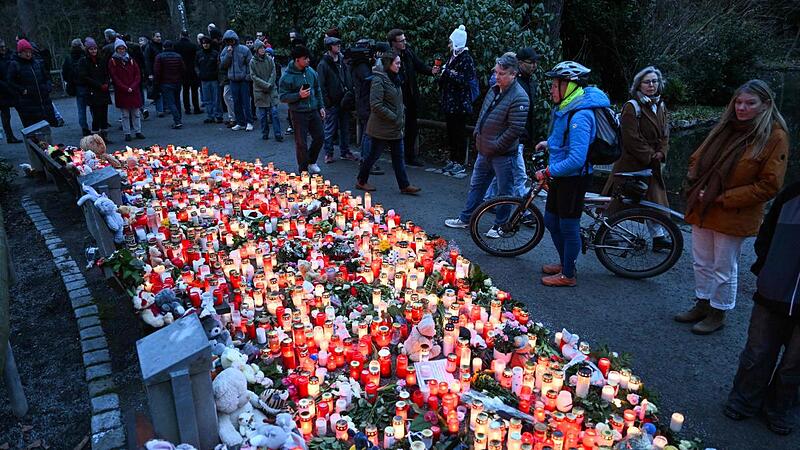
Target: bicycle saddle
{"x": 641, "y": 173}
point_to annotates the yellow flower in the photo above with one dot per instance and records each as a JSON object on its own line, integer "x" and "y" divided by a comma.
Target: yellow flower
{"x": 384, "y": 245}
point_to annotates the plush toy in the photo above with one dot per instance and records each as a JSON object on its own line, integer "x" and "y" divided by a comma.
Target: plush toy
{"x": 168, "y": 303}
{"x": 145, "y": 305}
{"x": 521, "y": 352}
{"x": 108, "y": 209}
{"x": 220, "y": 337}
{"x": 232, "y": 357}
{"x": 475, "y": 339}
{"x": 422, "y": 333}
{"x": 158, "y": 444}
{"x": 284, "y": 435}
{"x": 247, "y": 427}
{"x": 232, "y": 399}
{"x": 274, "y": 401}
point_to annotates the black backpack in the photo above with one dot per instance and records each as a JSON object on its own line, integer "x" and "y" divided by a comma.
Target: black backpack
{"x": 606, "y": 148}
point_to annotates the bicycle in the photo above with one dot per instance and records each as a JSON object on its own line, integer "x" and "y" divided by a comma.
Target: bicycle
{"x": 622, "y": 240}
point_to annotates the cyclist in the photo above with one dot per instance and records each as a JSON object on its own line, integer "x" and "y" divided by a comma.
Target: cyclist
{"x": 572, "y": 130}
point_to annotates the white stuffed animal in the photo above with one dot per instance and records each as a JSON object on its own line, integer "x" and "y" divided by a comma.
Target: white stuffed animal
{"x": 144, "y": 304}
{"x": 108, "y": 209}
{"x": 247, "y": 427}
{"x": 233, "y": 399}
{"x": 422, "y": 333}
{"x": 232, "y": 357}
{"x": 284, "y": 435}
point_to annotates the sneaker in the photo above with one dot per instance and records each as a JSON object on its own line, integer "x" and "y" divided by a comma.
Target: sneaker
{"x": 139, "y": 136}
{"x": 290, "y": 130}
{"x": 456, "y": 169}
{"x": 494, "y": 233}
{"x": 237, "y": 127}
{"x": 455, "y": 223}
{"x": 528, "y": 220}
{"x": 446, "y": 168}
{"x": 329, "y": 159}
{"x": 559, "y": 280}
{"x": 350, "y": 157}
{"x": 249, "y": 127}
{"x": 230, "y": 124}
{"x": 314, "y": 168}
{"x": 176, "y": 126}
{"x": 145, "y": 114}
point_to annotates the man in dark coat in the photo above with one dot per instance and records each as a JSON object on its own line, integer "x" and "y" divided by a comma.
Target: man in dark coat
{"x": 361, "y": 63}
{"x": 168, "y": 71}
{"x": 150, "y": 52}
{"x": 31, "y": 85}
{"x": 191, "y": 84}
{"x": 108, "y": 48}
{"x": 93, "y": 73}
{"x": 207, "y": 69}
{"x": 334, "y": 80}
{"x": 71, "y": 76}
{"x": 411, "y": 65}
{"x": 7, "y": 95}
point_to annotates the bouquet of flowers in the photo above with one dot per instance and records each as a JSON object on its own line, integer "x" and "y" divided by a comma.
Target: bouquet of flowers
{"x": 511, "y": 336}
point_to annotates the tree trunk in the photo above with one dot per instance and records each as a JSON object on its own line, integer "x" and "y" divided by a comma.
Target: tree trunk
{"x": 555, "y": 8}
{"x": 26, "y": 12}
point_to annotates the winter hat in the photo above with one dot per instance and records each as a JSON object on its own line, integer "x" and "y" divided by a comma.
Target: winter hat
{"x": 527, "y": 54}
{"x": 459, "y": 37}
{"x": 76, "y": 43}
{"x": 257, "y": 45}
{"x": 299, "y": 51}
{"x": 119, "y": 43}
{"x": 270, "y": 50}
{"x": 330, "y": 40}
{"x": 205, "y": 40}
{"x": 89, "y": 43}
{"x": 23, "y": 45}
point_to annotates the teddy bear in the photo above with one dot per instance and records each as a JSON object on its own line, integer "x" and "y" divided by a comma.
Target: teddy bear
{"x": 232, "y": 399}
{"x": 284, "y": 435}
{"x": 422, "y": 333}
{"x": 232, "y": 357}
{"x": 145, "y": 306}
{"x": 168, "y": 302}
{"x": 219, "y": 337}
{"x": 108, "y": 209}
{"x": 158, "y": 444}
{"x": 247, "y": 427}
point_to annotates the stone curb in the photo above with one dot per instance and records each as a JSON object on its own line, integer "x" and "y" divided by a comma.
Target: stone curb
{"x": 107, "y": 428}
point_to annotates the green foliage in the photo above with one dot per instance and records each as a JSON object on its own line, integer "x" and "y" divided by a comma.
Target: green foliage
{"x": 127, "y": 268}
{"x": 7, "y": 175}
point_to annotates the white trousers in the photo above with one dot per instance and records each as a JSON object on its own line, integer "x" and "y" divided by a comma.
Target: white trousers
{"x": 227, "y": 96}
{"x": 716, "y": 266}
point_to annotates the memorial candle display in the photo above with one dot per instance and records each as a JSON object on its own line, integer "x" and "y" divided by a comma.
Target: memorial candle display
{"x": 357, "y": 317}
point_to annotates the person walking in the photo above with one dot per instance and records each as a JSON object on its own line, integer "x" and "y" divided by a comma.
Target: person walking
{"x": 167, "y": 72}
{"x": 386, "y": 123}
{"x": 94, "y": 74}
{"x": 573, "y": 130}
{"x": 208, "y": 72}
{"x": 457, "y": 75}
{"x": 500, "y": 125}
{"x": 337, "y": 89}
{"x": 361, "y": 66}
{"x": 262, "y": 71}
{"x": 7, "y": 95}
{"x": 735, "y": 171}
{"x": 127, "y": 77}
{"x": 299, "y": 88}
{"x": 762, "y": 383}
{"x": 235, "y": 59}
{"x": 411, "y": 66}
{"x": 190, "y": 83}
{"x": 645, "y": 143}
{"x": 153, "y": 49}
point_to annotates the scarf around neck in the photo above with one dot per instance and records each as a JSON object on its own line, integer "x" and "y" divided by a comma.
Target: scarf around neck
{"x": 124, "y": 57}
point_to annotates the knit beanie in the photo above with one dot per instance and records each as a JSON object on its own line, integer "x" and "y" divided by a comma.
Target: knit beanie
{"x": 119, "y": 43}
{"x": 89, "y": 43}
{"x": 76, "y": 43}
{"x": 23, "y": 45}
{"x": 459, "y": 37}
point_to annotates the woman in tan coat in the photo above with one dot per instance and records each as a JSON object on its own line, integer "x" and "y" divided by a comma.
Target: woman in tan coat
{"x": 645, "y": 141}
{"x": 738, "y": 168}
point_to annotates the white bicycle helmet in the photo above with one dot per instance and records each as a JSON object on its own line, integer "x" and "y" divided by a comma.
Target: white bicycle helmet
{"x": 569, "y": 70}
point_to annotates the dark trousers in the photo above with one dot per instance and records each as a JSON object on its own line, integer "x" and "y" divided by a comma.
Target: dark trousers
{"x": 759, "y": 384}
{"x": 457, "y": 136}
{"x": 170, "y": 93}
{"x": 307, "y": 123}
{"x": 99, "y": 117}
{"x": 189, "y": 88}
{"x": 376, "y": 148}
{"x": 411, "y": 131}
{"x": 5, "y": 113}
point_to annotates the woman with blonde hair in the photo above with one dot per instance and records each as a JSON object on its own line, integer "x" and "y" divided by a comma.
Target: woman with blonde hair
{"x": 96, "y": 144}
{"x": 735, "y": 171}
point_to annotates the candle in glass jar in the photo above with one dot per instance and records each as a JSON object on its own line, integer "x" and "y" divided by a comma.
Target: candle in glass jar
{"x": 608, "y": 393}
{"x": 584, "y": 380}
{"x": 676, "y": 422}
{"x": 399, "y": 427}
{"x": 321, "y": 427}
{"x": 659, "y": 442}
{"x": 341, "y": 430}
{"x": 306, "y": 423}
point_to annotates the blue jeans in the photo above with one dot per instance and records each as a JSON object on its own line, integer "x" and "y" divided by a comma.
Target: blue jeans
{"x": 240, "y": 91}
{"x": 366, "y": 141}
{"x": 487, "y": 168}
{"x": 211, "y": 99}
{"x": 263, "y": 111}
{"x": 398, "y": 160}
{"x": 337, "y": 121}
{"x": 80, "y": 101}
{"x": 169, "y": 94}
{"x": 519, "y": 178}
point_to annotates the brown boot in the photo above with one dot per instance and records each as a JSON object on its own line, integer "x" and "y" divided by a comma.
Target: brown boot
{"x": 410, "y": 190}
{"x": 551, "y": 269}
{"x": 365, "y": 186}
{"x": 713, "y": 322}
{"x": 698, "y": 312}
{"x": 559, "y": 280}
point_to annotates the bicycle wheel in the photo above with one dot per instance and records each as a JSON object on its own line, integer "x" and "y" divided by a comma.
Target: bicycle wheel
{"x": 625, "y": 245}
{"x": 520, "y": 233}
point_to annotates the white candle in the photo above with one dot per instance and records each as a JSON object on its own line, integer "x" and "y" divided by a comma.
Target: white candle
{"x": 261, "y": 335}
{"x": 676, "y": 422}
{"x": 477, "y": 365}
{"x": 659, "y": 442}
{"x": 322, "y": 426}
{"x": 608, "y": 393}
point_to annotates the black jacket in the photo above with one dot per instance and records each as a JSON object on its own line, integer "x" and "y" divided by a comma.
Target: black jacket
{"x": 150, "y": 52}
{"x": 31, "y": 84}
{"x": 361, "y": 74}
{"x": 778, "y": 259}
{"x": 334, "y": 80}
{"x": 136, "y": 52}
{"x": 531, "y": 87}
{"x": 69, "y": 70}
{"x": 93, "y": 72}
{"x": 207, "y": 66}
{"x": 188, "y": 51}
{"x": 7, "y": 94}
{"x": 409, "y": 67}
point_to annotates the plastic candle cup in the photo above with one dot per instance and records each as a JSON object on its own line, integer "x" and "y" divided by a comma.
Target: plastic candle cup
{"x": 676, "y": 422}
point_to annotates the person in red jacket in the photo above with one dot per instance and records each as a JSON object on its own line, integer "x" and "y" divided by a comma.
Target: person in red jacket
{"x": 127, "y": 78}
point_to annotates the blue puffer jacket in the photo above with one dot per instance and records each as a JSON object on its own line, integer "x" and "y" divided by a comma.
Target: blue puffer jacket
{"x": 236, "y": 62}
{"x": 569, "y": 159}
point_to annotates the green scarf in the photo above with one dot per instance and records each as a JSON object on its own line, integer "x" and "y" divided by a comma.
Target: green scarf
{"x": 573, "y": 91}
